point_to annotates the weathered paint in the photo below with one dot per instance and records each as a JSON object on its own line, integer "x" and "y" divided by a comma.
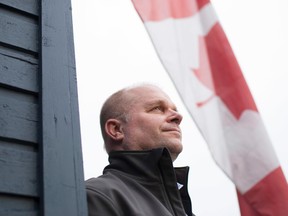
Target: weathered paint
{"x": 19, "y": 33}
{"x": 11, "y": 205}
{"x": 18, "y": 119}
{"x": 18, "y": 72}
{"x": 20, "y": 169}
{"x": 28, "y": 6}
{"x": 62, "y": 159}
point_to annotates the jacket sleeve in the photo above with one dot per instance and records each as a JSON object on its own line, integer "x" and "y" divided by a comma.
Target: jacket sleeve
{"x": 99, "y": 204}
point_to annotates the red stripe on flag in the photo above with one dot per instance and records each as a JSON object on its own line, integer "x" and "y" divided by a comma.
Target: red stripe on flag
{"x": 149, "y": 9}
{"x": 269, "y": 197}
{"x": 220, "y": 72}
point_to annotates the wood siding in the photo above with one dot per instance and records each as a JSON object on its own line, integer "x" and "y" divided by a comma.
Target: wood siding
{"x": 19, "y": 108}
{"x": 41, "y": 169}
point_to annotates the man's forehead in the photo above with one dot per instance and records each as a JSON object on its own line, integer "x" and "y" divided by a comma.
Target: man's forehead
{"x": 146, "y": 89}
{"x": 147, "y": 92}
{"x": 150, "y": 95}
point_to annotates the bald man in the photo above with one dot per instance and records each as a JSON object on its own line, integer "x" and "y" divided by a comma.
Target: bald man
{"x": 141, "y": 133}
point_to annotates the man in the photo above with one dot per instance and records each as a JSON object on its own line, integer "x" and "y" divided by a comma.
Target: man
{"x": 140, "y": 128}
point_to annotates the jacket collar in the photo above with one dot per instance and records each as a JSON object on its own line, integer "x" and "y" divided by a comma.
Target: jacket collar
{"x": 141, "y": 164}
{"x": 153, "y": 165}
{"x": 146, "y": 164}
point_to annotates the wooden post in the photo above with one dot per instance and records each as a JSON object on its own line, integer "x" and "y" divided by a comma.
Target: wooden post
{"x": 63, "y": 181}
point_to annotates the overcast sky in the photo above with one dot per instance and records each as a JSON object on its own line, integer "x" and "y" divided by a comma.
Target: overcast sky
{"x": 113, "y": 50}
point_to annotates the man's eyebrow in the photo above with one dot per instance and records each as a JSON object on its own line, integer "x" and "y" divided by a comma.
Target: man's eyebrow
{"x": 150, "y": 104}
{"x": 154, "y": 103}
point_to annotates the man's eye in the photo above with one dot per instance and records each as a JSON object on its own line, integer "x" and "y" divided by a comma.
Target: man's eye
{"x": 158, "y": 108}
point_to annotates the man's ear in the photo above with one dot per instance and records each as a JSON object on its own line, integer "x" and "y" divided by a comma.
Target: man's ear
{"x": 113, "y": 128}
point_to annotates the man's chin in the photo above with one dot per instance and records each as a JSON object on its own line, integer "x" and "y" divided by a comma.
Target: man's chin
{"x": 175, "y": 151}
{"x": 174, "y": 156}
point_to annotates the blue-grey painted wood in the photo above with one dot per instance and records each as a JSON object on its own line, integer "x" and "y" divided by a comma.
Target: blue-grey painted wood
{"x": 18, "y": 73}
{"x": 19, "y": 145}
{"x": 28, "y": 6}
{"x": 19, "y": 157}
{"x": 18, "y": 119}
{"x": 18, "y": 206}
{"x": 18, "y": 54}
{"x": 18, "y": 33}
{"x": 18, "y": 171}
{"x": 63, "y": 181}
{"x": 18, "y": 95}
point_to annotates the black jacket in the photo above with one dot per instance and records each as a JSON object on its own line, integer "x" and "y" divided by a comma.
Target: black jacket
{"x": 139, "y": 183}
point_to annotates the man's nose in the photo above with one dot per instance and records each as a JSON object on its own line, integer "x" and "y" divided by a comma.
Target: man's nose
{"x": 175, "y": 117}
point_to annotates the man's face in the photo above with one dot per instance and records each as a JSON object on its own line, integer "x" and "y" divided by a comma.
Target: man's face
{"x": 153, "y": 121}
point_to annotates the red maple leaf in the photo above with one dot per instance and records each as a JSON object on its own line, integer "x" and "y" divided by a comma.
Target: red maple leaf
{"x": 220, "y": 72}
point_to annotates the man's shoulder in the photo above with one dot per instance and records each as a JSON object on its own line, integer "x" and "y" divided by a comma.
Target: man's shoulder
{"x": 103, "y": 182}
{"x": 106, "y": 187}
{"x": 100, "y": 180}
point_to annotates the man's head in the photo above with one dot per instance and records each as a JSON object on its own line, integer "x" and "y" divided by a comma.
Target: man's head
{"x": 141, "y": 118}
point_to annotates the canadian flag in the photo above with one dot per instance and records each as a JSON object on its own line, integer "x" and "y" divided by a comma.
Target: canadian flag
{"x": 197, "y": 56}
